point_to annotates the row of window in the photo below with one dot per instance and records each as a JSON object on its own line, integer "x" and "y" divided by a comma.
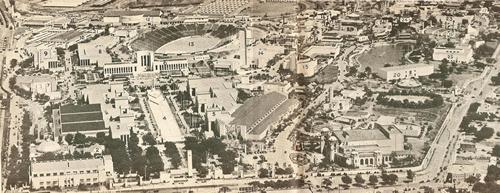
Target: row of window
{"x": 56, "y": 183}
{"x": 67, "y": 173}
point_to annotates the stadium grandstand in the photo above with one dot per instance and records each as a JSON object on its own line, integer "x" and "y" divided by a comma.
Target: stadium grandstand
{"x": 155, "y": 39}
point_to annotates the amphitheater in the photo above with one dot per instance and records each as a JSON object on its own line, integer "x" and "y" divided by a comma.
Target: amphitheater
{"x": 184, "y": 38}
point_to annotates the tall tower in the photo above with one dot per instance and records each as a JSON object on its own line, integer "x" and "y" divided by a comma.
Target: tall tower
{"x": 190, "y": 163}
{"x": 145, "y": 59}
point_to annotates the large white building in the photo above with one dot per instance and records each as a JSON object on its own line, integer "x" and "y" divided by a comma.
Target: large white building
{"x": 43, "y": 84}
{"x": 132, "y": 17}
{"x": 94, "y": 53}
{"x": 45, "y": 57}
{"x": 366, "y": 147}
{"x": 458, "y": 54}
{"x": 404, "y": 72}
{"x": 71, "y": 173}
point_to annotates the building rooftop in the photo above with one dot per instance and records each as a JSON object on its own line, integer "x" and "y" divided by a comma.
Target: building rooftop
{"x": 80, "y": 108}
{"x": 255, "y": 108}
{"x": 274, "y": 116}
{"x": 402, "y": 67}
{"x": 132, "y": 13}
{"x": 70, "y": 165}
{"x": 360, "y": 135}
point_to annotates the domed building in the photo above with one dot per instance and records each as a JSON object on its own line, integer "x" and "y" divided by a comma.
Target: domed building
{"x": 48, "y": 146}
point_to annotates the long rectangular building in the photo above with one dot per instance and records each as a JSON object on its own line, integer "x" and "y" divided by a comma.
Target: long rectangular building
{"x": 404, "y": 72}
{"x": 84, "y": 119}
{"x": 71, "y": 173}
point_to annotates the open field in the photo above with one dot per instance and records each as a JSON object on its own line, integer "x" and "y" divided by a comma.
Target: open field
{"x": 189, "y": 45}
{"x": 378, "y": 56}
{"x": 270, "y": 9}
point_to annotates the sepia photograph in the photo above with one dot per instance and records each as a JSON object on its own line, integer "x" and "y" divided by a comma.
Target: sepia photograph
{"x": 250, "y": 96}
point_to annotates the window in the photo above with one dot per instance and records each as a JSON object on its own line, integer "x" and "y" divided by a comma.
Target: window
{"x": 35, "y": 175}
{"x": 54, "y": 174}
{"x": 95, "y": 179}
{"x": 61, "y": 173}
{"x": 41, "y": 175}
{"x": 82, "y": 180}
{"x": 48, "y": 174}
{"x": 82, "y": 172}
{"x": 41, "y": 183}
{"x": 88, "y": 171}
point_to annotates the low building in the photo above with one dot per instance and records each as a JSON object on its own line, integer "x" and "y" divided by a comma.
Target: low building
{"x": 458, "y": 54}
{"x": 71, "y": 173}
{"x": 366, "y": 147}
{"x": 404, "y": 72}
{"x": 255, "y": 118}
{"x": 84, "y": 119}
{"x": 44, "y": 84}
{"x": 132, "y": 17}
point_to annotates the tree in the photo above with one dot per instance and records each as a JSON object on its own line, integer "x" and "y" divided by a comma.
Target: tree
{"x": 447, "y": 83}
{"x": 172, "y": 152}
{"x": 443, "y": 67}
{"x": 346, "y": 179}
{"x": 472, "y": 179}
{"x": 359, "y": 179}
{"x": 79, "y": 138}
{"x": 149, "y": 139}
{"x": 69, "y": 138}
{"x": 224, "y": 189}
{"x": 410, "y": 175}
{"x": 484, "y": 133}
{"x": 154, "y": 162}
{"x": 13, "y": 63}
{"x": 389, "y": 178}
{"x": 496, "y": 151}
{"x": 263, "y": 173}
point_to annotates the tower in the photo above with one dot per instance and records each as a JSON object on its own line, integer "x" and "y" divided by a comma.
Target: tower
{"x": 190, "y": 163}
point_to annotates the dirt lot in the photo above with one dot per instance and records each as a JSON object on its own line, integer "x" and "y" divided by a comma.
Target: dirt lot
{"x": 271, "y": 9}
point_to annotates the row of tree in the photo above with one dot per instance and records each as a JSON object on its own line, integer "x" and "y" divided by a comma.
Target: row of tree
{"x": 434, "y": 101}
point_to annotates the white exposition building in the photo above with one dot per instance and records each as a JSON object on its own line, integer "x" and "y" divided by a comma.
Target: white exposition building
{"x": 458, "y": 54}
{"x": 71, "y": 173}
{"x": 404, "y": 72}
{"x": 147, "y": 61}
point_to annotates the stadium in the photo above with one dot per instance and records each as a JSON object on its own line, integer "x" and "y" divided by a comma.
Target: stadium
{"x": 185, "y": 38}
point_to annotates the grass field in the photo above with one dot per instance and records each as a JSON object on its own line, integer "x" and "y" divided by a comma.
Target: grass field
{"x": 182, "y": 45}
{"x": 271, "y": 9}
{"x": 378, "y": 56}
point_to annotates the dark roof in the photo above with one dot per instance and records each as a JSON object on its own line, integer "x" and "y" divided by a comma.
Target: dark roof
{"x": 255, "y": 108}
{"x": 131, "y": 13}
{"x": 80, "y": 108}
{"x": 83, "y": 126}
{"x": 274, "y": 116}
{"x": 80, "y": 117}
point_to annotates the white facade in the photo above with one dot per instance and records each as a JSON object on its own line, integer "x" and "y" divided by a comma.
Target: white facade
{"x": 405, "y": 72}
{"x": 71, "y": 173}
{"x": 132, "y": 17}
{"x": 46, "y": 58}
{"x": 459, "y": 54}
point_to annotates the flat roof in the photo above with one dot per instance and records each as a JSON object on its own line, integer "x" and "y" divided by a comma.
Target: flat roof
{"x": 83, "y": 126}
{"x": 70, "y": 165}
{"x": 80, "y": 108}
{"x": 91, "y": 116}
{"x": 402, "y": 67}
{"x": 132, "y": 12}
{"x": 360, "y": 135}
